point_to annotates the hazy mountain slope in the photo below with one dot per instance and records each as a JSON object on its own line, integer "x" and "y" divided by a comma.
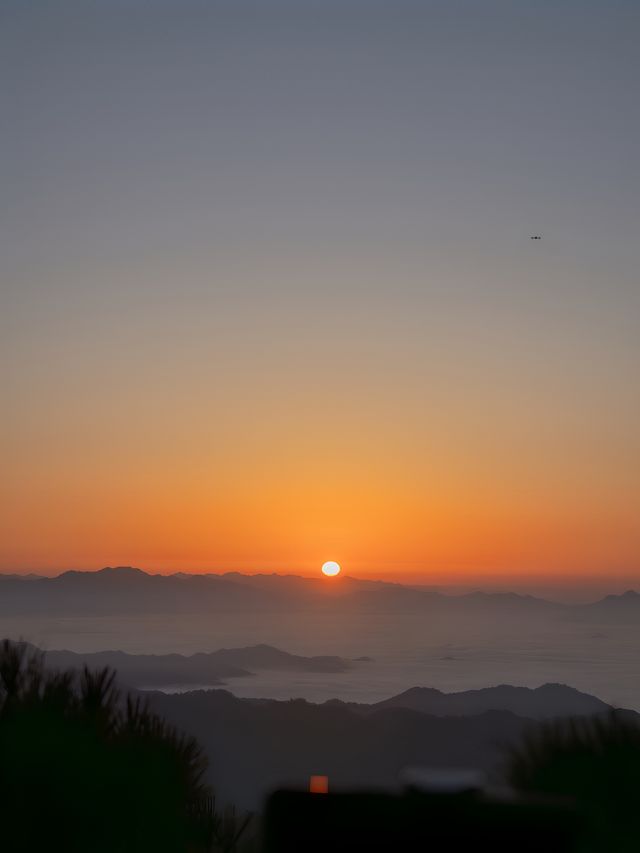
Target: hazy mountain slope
{"x": 199, "y": 669}
{"x": 255, "y": 746}
{"x": 125, "y": 591}
{"x": 131, "y": 592}
{"x": 263, "y": 656}
{"x": 549, "y": 700}
{"x": 128, "y": 591}
{"x": 612, "y": 608}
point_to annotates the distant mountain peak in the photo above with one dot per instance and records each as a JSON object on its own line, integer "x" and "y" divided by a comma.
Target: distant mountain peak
{"x": 631, "y": 596}
{"x": 121, "y": 570}
{"x": 548, "y": 700}
{"x": 107, "y": 571}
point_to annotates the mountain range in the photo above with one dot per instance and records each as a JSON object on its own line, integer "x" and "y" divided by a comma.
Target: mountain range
{"x": 127, "y": 591}
{"x": 255, "y": 745}
{"x": 547, "y": 701}
{"x": 204, "y": 668}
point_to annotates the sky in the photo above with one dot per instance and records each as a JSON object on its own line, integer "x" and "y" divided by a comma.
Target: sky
{"x": 268, "y": 295}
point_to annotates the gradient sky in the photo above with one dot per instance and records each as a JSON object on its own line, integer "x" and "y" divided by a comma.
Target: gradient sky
{"x": 268, "y": 295}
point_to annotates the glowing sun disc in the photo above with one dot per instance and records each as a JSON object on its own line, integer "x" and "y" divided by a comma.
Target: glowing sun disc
{"x": 330, "y": 569}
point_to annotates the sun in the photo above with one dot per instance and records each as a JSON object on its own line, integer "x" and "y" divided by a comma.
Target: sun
{"x": 330, "y": 569}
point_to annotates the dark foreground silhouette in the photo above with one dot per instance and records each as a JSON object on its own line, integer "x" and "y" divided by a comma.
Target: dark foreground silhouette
{"x": 575, "y": 787}
{"x": 417, "y": 821}
{"x": 81, "y": 770}
{"x": 259, "y": 745}
{"x": 595, "y": 762}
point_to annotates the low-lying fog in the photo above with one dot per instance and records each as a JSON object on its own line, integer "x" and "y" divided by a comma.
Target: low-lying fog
{"x": 406, "y": 650}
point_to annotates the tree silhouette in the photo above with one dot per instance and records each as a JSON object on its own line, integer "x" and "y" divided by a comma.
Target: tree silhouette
{"x": 83, "y": 769}
{"x": 595, "y": 761}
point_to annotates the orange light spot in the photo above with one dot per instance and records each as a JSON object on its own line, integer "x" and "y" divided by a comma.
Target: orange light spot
{"x": 318, "y": 784}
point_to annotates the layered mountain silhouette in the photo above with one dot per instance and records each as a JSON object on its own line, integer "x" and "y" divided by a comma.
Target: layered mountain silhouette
{"x": 547, "y": 701}
{"x": 204, "y": 668}
{"x": 257, "y": 745}
{"x": 126, "y": 590}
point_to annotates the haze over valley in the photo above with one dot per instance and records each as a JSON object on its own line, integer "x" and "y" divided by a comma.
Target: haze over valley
{"x": 357, "y": 641}
{"x": 278, "y": 676}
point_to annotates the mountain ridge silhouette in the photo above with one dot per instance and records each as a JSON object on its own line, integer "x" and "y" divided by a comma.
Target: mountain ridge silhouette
{"x": 126, "y": 590}
{"x": 256, "y": 745}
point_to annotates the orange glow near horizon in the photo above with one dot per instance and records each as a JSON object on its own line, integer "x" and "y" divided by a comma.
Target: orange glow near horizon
{"x": 381, "y": 523}
{"x": 402, "y": 484}
{"x": 247, "y": 326}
